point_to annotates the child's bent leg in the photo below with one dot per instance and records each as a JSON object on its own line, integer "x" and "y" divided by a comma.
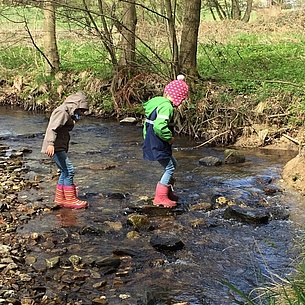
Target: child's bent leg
{"x": 69, "y": 188}
{"x": 163, "y": 188}
{"x": 66, "y": 168}
{"x": 169, "y": 166}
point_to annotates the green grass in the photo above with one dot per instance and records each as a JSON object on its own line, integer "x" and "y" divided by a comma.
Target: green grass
{"x": 248, "y": 64}
{"x": 290, "y": 292}
{"x": 33, "y": 17}
{"x": 80, "y": 56}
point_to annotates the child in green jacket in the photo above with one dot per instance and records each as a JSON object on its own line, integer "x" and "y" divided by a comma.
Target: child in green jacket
{"x": 158, "y": 137}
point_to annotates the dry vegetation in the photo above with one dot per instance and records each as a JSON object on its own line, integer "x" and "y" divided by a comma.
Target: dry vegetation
{"x": 273, "y": 20}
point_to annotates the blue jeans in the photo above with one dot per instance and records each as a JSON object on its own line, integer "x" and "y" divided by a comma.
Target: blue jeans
{"x": 66, "y": 168}
{"x": 169, "y": 166}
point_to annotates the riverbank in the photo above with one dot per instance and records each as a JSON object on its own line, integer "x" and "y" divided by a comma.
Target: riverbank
{"x": 15, "y": 210}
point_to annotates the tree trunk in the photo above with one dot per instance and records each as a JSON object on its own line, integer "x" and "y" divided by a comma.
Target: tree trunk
{"x": 105, "y": 34}
{"x": 235, "y": 13}
{"x": 189, "y": 37}
{"x": 128, "y": 42}
{"x": 220, "y": 11}
{"x": 173, "y": 39}
{"x": 50, "y": 44}
{"x": 247, "y": 14}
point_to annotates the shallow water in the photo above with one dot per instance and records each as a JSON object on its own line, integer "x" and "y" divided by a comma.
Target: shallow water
{"x": 108, "y": 160}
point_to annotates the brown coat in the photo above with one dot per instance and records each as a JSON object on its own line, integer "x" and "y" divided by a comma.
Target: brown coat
{"x": 62, "y": 122}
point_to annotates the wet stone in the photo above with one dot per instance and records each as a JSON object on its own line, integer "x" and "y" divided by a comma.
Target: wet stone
{"x": 271, "y": 190}
{"x": 232, "y": 156}
{"x": 11, "y": 266}
{"x": 117, "y": 195}
{"x": 129, "y": 121}
{"x": 152, "y": 210}
{"x": 4, "y": 249}
{"x": 75, "y": 260}
{"x": 133, "y": 234}
{"x": 53, "y": 262}
{"x": 106, "y": 262}
{"x": 25, "y": 277}
{"x": 165, "y": 241}
{"x": 40, "y": 265}
{"x": 126, "y": 252}
{"x": 30, "y": 260}
{"x": 101, "y": 231}
{"x": 95, "y": 230}
{"x": 100, "y": 284}
{"x": 201, "y": 206}
{"x": 100, "y": 301}
{"x": 3, "y": 147}
{"x": 247, "y": 215}
{"x": 16, "y": 154}
{"x": 210, "y": 161}
{"x": 139, "y": 221}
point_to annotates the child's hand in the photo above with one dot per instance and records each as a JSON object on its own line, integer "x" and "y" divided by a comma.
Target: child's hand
{"x": 50, "y": 151}
{"x": 171, "y": 141}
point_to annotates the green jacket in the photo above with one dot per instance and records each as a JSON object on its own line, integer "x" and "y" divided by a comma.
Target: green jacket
{"x": 165, "y": 112}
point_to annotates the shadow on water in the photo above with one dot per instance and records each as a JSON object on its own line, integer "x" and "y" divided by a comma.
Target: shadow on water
{"x": 113, "y": 177}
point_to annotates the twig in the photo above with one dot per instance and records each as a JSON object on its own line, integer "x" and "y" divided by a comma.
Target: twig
{"x": 206, "y": 142}
{"x": 291, "y": 139}
{"x": 277, "y": 115}
{"x": 37, "y": 48}
{"x": 282, "y": 82}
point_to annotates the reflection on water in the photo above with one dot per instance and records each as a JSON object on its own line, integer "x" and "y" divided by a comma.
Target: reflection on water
{"x": 108, "y": 160}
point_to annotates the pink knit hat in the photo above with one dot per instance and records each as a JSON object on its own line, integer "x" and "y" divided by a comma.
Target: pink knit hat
{"x": 177, "y": 90}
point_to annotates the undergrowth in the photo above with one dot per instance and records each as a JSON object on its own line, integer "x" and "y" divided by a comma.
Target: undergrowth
{"x": 242, "y": 66}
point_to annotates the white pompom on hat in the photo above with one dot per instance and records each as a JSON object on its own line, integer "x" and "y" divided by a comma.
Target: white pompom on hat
{"x": 177, "y": 90}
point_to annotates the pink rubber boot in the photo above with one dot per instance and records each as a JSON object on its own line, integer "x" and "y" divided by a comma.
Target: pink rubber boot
{"x": 161, "y": 197}
{"x": 72, "y": 201}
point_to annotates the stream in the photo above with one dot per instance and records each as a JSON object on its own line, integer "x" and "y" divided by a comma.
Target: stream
{"x": 117, "y": 183}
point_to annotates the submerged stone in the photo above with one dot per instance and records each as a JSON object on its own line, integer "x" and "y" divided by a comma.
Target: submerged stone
{"x": 232, "y": 156}
{"x": 210, "y": 161}
{"x": 166, "y": 241}
{"x": 248, "y": 215}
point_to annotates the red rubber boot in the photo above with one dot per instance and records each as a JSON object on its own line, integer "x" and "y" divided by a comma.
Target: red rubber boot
{"x": 59, "y": 195}
{"x": 161, "y": 197}
{"x": 72, "y": 201}
{"x": 171, "y": 194}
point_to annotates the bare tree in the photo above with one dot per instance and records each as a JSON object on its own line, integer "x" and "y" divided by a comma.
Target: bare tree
{"x": 233, "y": 8}
{"x": 128, "y": 32}
{"x": 175, "y": 68}
{"x": 247, "y": 14}
{"x": 50, "y": 44}
{"x": 189, "y": 37}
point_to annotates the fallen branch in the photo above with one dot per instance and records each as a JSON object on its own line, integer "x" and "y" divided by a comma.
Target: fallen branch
{"x": 206, "y": 142}
{"x": 282, "y": 82}
{"x": 278, "y": 115}
{"x": 291, "y": 139}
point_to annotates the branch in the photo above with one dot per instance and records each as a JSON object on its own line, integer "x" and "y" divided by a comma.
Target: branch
{"x": 291, "y": 139}
{"x": 278, "y": 115}
{"x": 146, "y": 8}
{"x": 37, "y": 48}
{"x": 281, "y": 82}
{"x": 206, "y": 142}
